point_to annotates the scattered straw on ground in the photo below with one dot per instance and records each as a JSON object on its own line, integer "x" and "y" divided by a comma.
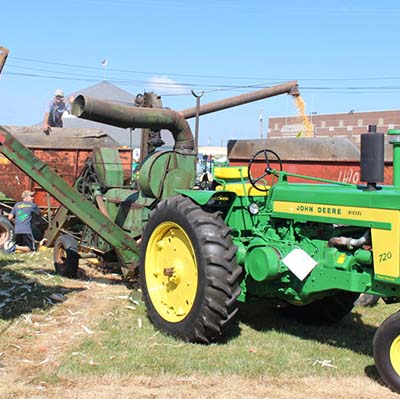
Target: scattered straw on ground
{"x": 203, "y": 387}
{"x": 34, "y": 344}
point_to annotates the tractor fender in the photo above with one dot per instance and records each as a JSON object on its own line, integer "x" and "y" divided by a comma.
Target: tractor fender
{"x": 222, "y": 200}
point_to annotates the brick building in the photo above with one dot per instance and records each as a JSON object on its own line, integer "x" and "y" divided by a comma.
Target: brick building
{"x": 349, "y": 125}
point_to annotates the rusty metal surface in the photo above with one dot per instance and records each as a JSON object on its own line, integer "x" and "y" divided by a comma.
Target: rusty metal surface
{"x": 289, "y": 88}
{"x": 302, "y": 148}
{"x": 130, "y": 116}
{"x": 66, "y": 155}
{"x": 62, "y": 138}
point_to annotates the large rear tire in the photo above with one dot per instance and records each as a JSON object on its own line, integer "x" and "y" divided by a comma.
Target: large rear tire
{"x": 188, "y": 271}
{"x": 328, "y": 310}
{"x": 386, "y": 347}
{"x": 66, "y": 256}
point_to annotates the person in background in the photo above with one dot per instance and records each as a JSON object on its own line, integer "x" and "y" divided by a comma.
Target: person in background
{"x": 54, "y": 111}
{"x": 22, "y": 212}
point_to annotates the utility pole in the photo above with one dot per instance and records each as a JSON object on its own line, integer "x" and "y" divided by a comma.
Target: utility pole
{"x": 261, "y": 124}
{"x": 196, "y": 129}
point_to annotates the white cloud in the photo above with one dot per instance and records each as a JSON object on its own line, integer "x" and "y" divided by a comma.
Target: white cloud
{"x": 165, "y": 85}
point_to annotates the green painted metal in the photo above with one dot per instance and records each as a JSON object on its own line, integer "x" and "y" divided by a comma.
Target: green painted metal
{"x": 57, "y": 223}
{"x": 128, "y": 209}
{"x": 394, "y": 139}
{"x": 6, "y": 203}
{"x": 262, "y": 263}
{"x": 4, "y": 197}
{"x": 41, "y": 173}
{"x": 108, "y": 167}
{"x": 283, "y": 177}
{"x": 266, "y": 276}
{"x": 166, "y": 172}
{"x": 204, "y": 198}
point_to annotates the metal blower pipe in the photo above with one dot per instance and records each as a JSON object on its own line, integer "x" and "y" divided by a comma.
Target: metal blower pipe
{"x": 128, "y": 116}
{"x": 291, "y": 88}
{"x": 3, "y": 57}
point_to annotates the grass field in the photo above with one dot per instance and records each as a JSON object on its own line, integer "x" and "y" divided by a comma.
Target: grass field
{"x": 57, "y": 330}
{"x": 265, "y": 343}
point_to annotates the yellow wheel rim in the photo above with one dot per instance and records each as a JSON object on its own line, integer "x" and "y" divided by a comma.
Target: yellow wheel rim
{"x": 61, "y": 256}
{"x": 171, "y": 272}
{"x": 395, "y": 354}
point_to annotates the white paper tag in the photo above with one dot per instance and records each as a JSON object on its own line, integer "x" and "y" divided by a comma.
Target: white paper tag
{"x": 299, "y": 263}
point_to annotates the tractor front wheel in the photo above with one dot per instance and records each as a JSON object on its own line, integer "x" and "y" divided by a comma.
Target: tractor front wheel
{"x": 66, "y": 256}
{"x": 188, "y": 271}
{"x": 386, "y": 347}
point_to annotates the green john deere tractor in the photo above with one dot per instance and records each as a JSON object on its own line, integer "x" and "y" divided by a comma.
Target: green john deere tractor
{"x": 310, "y": 248}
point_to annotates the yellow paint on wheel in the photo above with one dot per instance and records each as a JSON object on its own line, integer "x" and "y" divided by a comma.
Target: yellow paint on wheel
{"x": 395, "y": 354}
{"x": 171, "y": 272}
{"x": 61, "y": 255}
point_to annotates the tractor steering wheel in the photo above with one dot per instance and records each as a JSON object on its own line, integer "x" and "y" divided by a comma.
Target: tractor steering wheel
{"x": 256, "y": 176}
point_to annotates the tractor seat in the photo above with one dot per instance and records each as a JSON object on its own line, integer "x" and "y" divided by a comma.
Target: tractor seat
{"x": 236, "y": 179}
{"x": 231, "y": 172}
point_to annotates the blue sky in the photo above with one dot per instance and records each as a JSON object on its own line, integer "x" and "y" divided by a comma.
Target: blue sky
{"x": 344, "y": 54}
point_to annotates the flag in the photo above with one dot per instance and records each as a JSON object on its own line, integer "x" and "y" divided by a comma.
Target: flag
{"x": 104, "y": 62}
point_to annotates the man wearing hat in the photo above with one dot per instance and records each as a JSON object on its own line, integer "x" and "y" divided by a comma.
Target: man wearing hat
{"x": 22, "y": 212}
{"x": 54, "y": 111}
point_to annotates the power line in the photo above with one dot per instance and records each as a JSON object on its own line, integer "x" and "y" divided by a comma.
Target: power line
{"x": 276, "y": 80}
{"x": 185, "y": 87}
{"x": 81, "y": 77}
{"x": 143, "y": 72}
{"x": 309, "y": 90}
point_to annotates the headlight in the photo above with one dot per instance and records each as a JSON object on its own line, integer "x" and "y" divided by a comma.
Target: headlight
{"x": 254, "y": 209}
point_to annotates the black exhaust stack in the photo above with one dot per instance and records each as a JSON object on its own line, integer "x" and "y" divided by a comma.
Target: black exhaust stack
{"x": 372, "y": 158}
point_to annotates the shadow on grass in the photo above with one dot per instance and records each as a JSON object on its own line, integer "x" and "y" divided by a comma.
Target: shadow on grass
{"x": 101, "y": 278}
{"x": 21, "y": 294}
{"x": 350, "y": 333}
{"x": 372, "y": 373}
{"x": 6, "y": 262}
{"x": 232, "y": 332}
